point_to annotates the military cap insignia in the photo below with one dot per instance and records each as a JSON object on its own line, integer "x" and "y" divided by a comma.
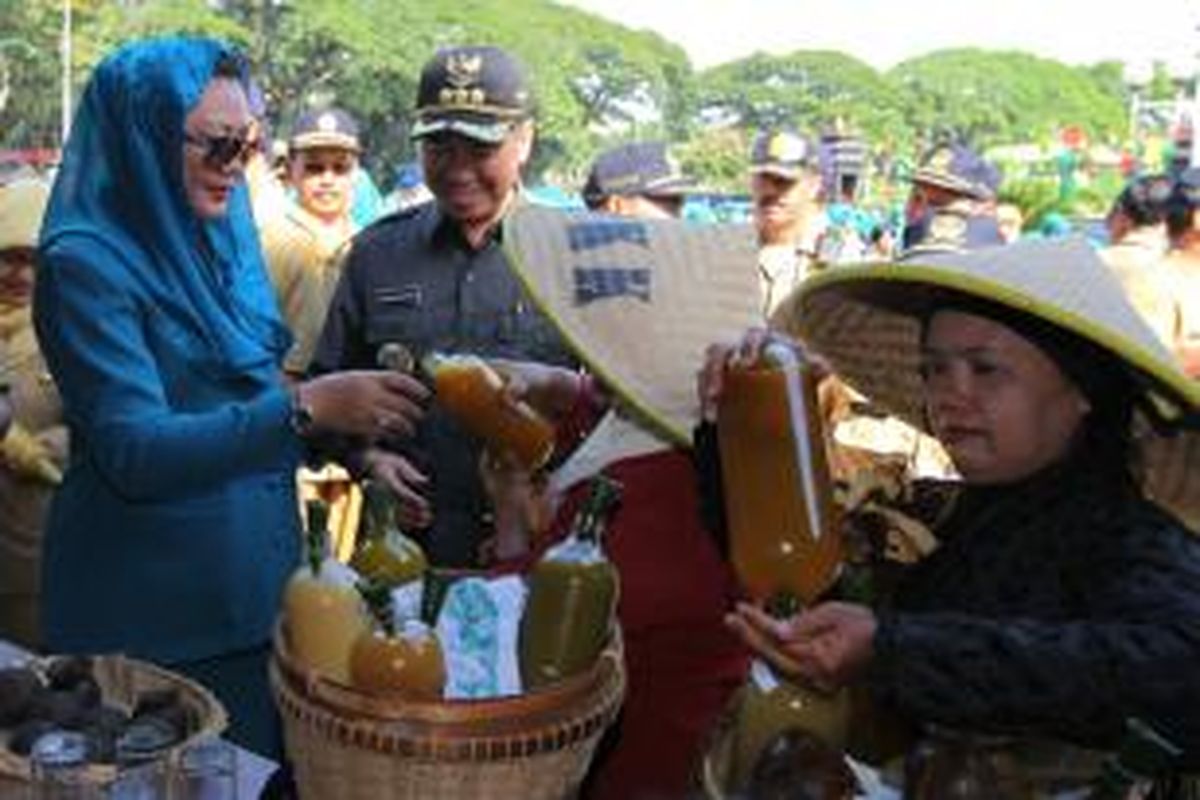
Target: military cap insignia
{"x": 941, "y": 159}
{"x": 327, "y": 123}
{"x": 462, "y": 70}
{"x": 786, "y": 149}
{"x": 462, "y": 73}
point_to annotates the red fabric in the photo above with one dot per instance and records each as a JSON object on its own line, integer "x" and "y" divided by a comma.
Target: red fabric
{"x": 682, "y": 662}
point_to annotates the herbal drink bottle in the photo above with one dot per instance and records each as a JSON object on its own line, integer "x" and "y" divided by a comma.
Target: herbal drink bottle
{"x": 572, "y": 597}
{"x": 385, "y": 555}
{"x": 321, "y": 608}
{"x": 474, "y": 393}
{"x": 783, "y": 528}
{"x": 784, "y": 535}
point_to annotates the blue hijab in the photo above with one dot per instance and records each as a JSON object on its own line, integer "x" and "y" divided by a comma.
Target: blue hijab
{"x": 119, "y": 204}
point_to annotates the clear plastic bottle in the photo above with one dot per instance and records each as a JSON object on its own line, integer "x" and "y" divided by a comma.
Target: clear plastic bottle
{"x": 469, "y": 389}
{"x": 784, "y": 531}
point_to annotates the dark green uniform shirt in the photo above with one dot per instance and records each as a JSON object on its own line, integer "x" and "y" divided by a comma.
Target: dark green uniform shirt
{"x": 412, "y": 278}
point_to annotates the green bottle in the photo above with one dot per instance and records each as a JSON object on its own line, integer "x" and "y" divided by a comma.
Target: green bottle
{"x": 572, "y": 596}
{"x": 384, "y": 554}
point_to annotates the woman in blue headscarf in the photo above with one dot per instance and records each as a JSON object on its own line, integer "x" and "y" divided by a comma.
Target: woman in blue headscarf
{"x": 176, "y": 524}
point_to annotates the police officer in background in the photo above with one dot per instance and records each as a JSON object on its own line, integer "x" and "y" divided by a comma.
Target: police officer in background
{"x": 434, "y": 277}
{"x": 951, "y": 178}
{"x": 637, "y": 179}
{"x": 785, "y": 186}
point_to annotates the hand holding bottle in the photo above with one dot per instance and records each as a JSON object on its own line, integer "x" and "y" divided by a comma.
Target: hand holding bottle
{"x": 364, "y": 403}
{"x": 745, "y": 352}
{"x": 826, "y": 646}
{"x": 406, "y": 482}
{"x": 552, "y": 391}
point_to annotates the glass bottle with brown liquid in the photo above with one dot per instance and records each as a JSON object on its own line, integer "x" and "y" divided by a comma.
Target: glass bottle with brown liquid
{"x": 469, "y": 389}
{"x": 783, "y": 526}
{"x": 572, "y": 597}
{"x": 784, "y": 535}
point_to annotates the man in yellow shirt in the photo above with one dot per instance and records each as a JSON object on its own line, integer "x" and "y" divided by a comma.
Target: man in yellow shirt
{"x": 303, "y": 246}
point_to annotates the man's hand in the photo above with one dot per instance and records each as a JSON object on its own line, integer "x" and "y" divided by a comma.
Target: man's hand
{"x": 406, "y": 482}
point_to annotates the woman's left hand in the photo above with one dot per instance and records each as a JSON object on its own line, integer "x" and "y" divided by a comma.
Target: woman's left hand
{"x": 827, "y": 646}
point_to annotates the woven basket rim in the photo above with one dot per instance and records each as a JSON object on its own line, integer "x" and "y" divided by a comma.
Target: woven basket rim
{"x": 213, "y": 719}
{"x": 344, "y": 698}
{"x": 494, "y": 729}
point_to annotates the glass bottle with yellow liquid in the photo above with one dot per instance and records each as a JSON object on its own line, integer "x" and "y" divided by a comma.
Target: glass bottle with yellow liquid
{"x": 385, "y": 555}
{"x": 474, "y": 393}
{"x": 784, "y": 534}
{"x": 323, "y": 613}
{"x": 404, "y": 658}
{"x": 572, "y": 596}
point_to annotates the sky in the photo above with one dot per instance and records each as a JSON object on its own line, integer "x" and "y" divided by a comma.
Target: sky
{"x": 885, "y": 32}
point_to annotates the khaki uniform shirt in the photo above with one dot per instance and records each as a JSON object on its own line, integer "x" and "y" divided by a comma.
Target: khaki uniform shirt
{"x": 303, "y": 257}
{"x": 32, "y": 457}
{"x": 1139, "y": 263}
{"x": 781, "y": 268}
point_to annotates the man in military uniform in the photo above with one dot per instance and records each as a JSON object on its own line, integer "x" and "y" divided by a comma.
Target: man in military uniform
{"x": 637, "y": 179}
{"x": 785, "y": 186}
{"x": 434, "y": 278}
{"x": 302, "y": 246}
{"x": 953, "y": 178}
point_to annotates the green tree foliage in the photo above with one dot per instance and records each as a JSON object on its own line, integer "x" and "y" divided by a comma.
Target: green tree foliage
{"x": 810, "y": 91}
{"x": 988, "y": 98}
{"x": 597, "y": 82}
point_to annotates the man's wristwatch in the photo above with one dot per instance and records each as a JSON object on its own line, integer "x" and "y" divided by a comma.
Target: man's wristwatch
{"x": 301, "y": 416}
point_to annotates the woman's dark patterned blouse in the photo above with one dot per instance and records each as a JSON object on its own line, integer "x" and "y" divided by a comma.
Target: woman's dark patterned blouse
{"x": 1059, "y": 607}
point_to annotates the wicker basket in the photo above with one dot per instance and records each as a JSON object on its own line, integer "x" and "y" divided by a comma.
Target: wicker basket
{"x": 121, "y": 680}
{"x": 348, "y": 745}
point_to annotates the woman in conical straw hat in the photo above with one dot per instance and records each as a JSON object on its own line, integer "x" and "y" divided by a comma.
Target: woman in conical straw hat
{"x": 1062, "y": 600}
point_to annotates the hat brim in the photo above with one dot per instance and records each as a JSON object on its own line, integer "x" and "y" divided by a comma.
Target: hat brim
{"x": 781, "y": 171}
{"x": 952, "y": 183}
{"x": 672, "y": 186}
{"x": 325, "y": 139}
{"x": 866, "y": 320}
{"x": 476, "y": 127}
{"x": 638, "y": 300}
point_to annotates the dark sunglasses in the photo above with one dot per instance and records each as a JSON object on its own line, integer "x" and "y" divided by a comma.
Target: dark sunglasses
{"x": 221, "y": 151}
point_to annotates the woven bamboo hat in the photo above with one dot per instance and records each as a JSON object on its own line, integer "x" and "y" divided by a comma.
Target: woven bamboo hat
{"x": 639, "y": 300}
{"x": 866, "y": 321}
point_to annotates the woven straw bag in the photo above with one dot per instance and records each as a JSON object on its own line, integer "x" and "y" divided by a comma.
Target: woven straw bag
{"x": 348, "y": 745}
